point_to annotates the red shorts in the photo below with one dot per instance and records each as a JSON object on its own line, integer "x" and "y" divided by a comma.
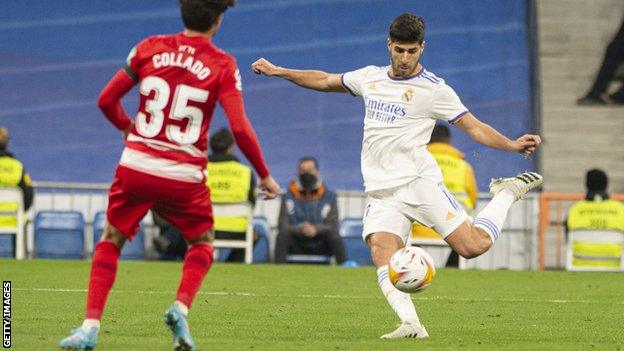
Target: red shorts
{"x": 185, "y": 205}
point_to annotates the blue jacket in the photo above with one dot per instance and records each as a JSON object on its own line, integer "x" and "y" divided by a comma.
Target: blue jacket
{"x": 319, "y": 207}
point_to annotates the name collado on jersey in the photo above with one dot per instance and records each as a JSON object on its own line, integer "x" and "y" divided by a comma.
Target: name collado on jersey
{"x": 178, "y": 59}
{"x": 381, "y": 111}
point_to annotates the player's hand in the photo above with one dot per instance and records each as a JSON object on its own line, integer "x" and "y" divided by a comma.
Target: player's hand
{"x": 527, "y": 144}
{"x": 263, "y": 66}
{"x": 269, "y": 187}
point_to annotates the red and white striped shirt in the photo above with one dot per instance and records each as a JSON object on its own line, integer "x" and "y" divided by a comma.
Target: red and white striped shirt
{"x": 180, "y": 80}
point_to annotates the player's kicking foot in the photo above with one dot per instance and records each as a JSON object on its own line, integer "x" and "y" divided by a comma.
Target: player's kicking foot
{"x": 177, "y": 323}
{"x": 79, "y": 339}
{"x": 407, "y": 330}
{"x": 518, "y": 185}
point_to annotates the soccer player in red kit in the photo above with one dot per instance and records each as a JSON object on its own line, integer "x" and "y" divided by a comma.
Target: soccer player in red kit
{"x": 180, "y": 77}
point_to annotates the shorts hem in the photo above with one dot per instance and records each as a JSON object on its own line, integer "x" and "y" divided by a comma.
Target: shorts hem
{"x": 453, "y": 227}
{"x": 128, "y": 236}
{"x": 369, "y": 232}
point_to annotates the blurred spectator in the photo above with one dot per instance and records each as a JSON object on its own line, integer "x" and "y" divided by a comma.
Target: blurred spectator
{"x": 614, "y": 57}
{"x": 12, "y": 174}
{"x": 169, "y": 243}
{"x": 229, "y": 181}
{"x": 458, "y": 178}
{"x": 308, "y": 220}
{"x": 597, "y": 211}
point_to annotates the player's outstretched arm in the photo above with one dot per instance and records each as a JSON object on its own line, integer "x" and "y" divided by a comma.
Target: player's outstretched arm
{"x": 486, "y": 135}
{"x": 315, "y": 80}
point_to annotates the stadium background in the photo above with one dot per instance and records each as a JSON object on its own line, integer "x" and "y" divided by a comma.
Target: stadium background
{"x": 58, "y": 55}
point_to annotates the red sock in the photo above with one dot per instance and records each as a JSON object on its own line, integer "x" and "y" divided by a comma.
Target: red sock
{"x": 103, "y": 271}
{"x": 197, "y": 262}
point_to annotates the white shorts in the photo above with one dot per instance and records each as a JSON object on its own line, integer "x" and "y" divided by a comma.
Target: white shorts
{"x": 424, "y": 200}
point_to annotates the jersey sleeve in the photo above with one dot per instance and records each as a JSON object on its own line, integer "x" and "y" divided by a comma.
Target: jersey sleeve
{"x": 231, "y": 83}
{"x": 230, "y": 97}
{"x": 446, "y": 105}
{"x": 353, "y": 81}
{"x": 133, "y": 61}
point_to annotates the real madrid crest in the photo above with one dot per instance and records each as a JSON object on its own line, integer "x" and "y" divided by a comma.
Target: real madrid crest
{"x": 407, "y": 95}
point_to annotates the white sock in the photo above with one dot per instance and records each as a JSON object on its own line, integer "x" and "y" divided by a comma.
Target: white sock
{"x": 87, "y": 324}
{"x": 492, "y": 217}
{"x": 400, "y": 302}
{"x": 182, "y": 306}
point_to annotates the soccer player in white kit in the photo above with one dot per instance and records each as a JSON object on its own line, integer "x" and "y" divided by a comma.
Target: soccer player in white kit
{"x": 402, "y": 180}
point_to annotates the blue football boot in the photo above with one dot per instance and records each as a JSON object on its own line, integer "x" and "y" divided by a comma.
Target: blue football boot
{"x": 177, "y": 323}
{"x": 79, "y": 339}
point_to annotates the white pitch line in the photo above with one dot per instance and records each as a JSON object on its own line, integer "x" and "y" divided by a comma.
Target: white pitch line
{"x": 313, "y": 296}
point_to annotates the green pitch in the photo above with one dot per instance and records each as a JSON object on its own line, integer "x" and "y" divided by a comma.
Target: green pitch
{"x": 267, "y": 307}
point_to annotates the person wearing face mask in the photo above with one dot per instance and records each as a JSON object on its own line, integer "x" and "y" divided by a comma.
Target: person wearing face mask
{"x": 308, "y": 220}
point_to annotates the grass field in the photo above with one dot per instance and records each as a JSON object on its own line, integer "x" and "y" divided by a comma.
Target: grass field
{"x": 269, "y": 307}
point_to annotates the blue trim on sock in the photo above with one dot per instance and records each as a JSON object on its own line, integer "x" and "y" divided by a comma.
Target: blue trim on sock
{"x": 488, "y": 225}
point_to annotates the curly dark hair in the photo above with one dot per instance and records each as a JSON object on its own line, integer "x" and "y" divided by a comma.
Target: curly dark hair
{"x": 200, "y": 15}
{"x": 408, "y": 28}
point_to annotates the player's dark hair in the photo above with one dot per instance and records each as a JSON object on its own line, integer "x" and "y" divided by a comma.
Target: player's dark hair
{"x": 308, "y": 158}
{"x": 200, "y": 15}
{"x": 408, "y": 28}
{"x": 221, "y": 141}
{"x": 440, "y": 133}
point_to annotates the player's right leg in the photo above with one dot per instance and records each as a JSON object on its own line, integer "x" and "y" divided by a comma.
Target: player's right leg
{"x": 472, "y": 239}
{"x": 188, "y": 208}
{"x": 385, "y": 232}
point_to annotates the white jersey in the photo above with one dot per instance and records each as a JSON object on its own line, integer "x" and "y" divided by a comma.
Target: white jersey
{"x": 400, "y": 116}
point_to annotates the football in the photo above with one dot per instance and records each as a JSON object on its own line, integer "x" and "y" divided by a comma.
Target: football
{"x": 411, "y": 269}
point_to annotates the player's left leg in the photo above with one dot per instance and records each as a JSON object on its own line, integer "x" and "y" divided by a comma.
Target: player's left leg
{"x": 102, "y": 278}
{"x": 472, "y": 239}
{"x": 382, "y": 226}
{"x": 123, "y": 215}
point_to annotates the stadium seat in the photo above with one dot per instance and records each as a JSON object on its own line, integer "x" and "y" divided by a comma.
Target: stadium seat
{"x": 132, "y": 250}
{"x": 12, "y": 231}
{"x": 309, "y": 259}
{"x": 355, "y": 248}
{"x": 261, "y": 246}
{"x": 261, "y": 251}
{"x": 6, "y": 246}
{"x": 241, "y": 209}
{"x": 595, "y": 250}
{"x": 59, "y": 234}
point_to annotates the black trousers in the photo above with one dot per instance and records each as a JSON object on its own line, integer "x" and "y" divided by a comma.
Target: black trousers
{"x": 324, "y": 243}
{"x": 614, "y": 56}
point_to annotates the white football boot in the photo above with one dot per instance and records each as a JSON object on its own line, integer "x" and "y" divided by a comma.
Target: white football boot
{"x": 407, "y": 330}
{"x": 518, "y": 185}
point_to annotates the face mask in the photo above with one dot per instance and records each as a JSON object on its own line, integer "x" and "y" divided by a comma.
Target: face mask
{"x": 307, "y": 180}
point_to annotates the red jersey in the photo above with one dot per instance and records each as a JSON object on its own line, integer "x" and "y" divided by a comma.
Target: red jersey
{"x": 180, "y": 79}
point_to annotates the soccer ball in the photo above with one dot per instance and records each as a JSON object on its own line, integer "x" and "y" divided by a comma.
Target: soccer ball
{"x": 411, "y": 269}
